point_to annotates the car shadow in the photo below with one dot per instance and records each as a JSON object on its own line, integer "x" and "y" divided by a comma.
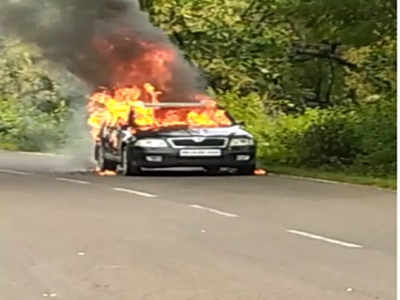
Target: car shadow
{"x": 161, "y": 173}
{"x": 168, "y": 173}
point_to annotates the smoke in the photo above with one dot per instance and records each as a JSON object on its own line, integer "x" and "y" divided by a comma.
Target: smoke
{"x": 103, "y": 42}
{"x": 108, "y": 43}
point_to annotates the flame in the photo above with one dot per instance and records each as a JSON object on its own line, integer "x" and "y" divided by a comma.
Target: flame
{"x": 105, "y": 173}
{"x": 145, "y": 80}
{"x": 260, "y": 172}
{"x": 124, "y": 107}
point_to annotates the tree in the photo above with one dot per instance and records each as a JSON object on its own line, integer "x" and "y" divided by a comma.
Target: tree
{"x": 293, "y": 53}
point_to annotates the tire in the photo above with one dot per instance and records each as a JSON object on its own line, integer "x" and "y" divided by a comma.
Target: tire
{"x": 126, "y": 168}
{"x": 246, "y": 171}
{"x": 96, "y": 152}
{"x": 104, "y": 163}
{"x": 213, "y": 171}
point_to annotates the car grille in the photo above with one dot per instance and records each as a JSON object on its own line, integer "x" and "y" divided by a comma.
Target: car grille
{"x": 198, "y": 142}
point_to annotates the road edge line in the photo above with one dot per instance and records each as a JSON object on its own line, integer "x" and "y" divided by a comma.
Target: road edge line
{"x": 324, "y": 239}
{"x": 215, "y": 211}
{"x": 134, "y": 192}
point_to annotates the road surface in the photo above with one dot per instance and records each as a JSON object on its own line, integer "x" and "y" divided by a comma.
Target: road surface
{"x": 77, "y": 236}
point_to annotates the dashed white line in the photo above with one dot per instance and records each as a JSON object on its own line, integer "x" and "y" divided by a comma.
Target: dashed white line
{"x": 215, "y": 211}
{"x": 325, "y": 239}
{"x": 72, "y": 180}
{"x": 39, "y": 154}
{"x": 12, "y": 172}
{"x": 138, "y": 193}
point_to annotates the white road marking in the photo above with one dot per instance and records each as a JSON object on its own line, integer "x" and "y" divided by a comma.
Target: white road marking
{"x": 72, "y": 180}
{"x": 215, "y": 211}
{"x": 138, "y": 193}
{"x": 39, "y": 154}
{"x": 12, "y": 172}
{"x": 325, "y": 239}
{"x": 312, "y": 179}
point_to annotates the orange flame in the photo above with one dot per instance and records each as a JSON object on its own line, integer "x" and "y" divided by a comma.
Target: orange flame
{"x": 125, "y": 107}
{"x": 260, "y": 172}
{"x": 105, "y": 173}
{"x": 143, "y": 81}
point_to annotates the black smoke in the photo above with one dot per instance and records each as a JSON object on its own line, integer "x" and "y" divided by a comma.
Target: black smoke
{"x": 96, "y": 40}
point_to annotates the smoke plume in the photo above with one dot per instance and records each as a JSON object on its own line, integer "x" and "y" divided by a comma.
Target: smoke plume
{"x": 97, "y": 39}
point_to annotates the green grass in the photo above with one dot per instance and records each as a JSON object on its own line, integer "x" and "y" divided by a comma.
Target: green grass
{"x": 8, "y": 146}
{"x": 389, "y": 182}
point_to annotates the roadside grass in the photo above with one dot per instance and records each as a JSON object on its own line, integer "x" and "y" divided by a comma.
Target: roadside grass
{"x": 8, "y": 146}
{"x": 389, "y": 182}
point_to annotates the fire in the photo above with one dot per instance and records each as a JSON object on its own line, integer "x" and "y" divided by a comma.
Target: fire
{"x": 260, "y": 172}
{"x": 140, "y": 86}
{"x": 125, "y": 106}
{"x": 105, "y": 173}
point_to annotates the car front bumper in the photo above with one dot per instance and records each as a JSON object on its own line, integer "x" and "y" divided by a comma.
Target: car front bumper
{"x": 171, "y": 158}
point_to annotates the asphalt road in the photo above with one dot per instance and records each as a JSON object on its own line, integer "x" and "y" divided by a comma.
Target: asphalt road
{"x": 76, "y": 236}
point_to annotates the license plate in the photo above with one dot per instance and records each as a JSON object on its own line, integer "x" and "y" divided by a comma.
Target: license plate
{"x": 200, "y": 153}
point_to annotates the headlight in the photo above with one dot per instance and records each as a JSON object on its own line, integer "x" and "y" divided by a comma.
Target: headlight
{"x": 241, "y": 142}
{"x": 151, "y": 143}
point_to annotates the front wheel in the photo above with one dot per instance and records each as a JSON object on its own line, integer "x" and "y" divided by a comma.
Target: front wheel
{"x": 126, "y": 167}
{"x": 246, "y": 171}
{"x": 212, "y": 171}
{"x": 104, "y": 163}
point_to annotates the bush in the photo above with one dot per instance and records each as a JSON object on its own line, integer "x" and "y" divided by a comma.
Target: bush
{"x": 378, "y": 138}
{"x": 26, "y": 127}
{"x": 359, "y": 139}
{"x": 331, "y": 139}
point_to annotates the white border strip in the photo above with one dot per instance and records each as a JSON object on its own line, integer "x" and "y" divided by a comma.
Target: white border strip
{"x": 40, "y": 154}
{"x": 72, "y": 180}
{"x": 32, "y": 153}
{"x": 326, "y": 181}
{"x": 138, "y": 193}
{"x": 12, "y": 172}
{"x": 325, "y": 239}
{"x": 215, "y": 211}
{"x": 309, "y": 179}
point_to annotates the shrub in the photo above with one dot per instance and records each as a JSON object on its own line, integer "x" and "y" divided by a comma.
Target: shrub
{"x": 26, "y": 127}
{"x": 358, "y": 138}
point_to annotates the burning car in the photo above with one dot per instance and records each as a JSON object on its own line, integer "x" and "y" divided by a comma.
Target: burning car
{"x": 152, "y": 113}
{"x": 165, "y": 135}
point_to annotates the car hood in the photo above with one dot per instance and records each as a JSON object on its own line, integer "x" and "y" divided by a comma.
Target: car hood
{"x": 236, "y": 130}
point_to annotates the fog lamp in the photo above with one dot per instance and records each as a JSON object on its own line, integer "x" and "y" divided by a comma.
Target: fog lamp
{"x": 154, "y": 158}
{"x": 243, "y": 157}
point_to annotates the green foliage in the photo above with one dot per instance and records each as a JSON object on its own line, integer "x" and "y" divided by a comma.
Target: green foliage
{"x": 361, "y": 139}
{"x": 378, "y": 137}
{"x": 294, "y": 54}
{"x": 32, "y": 110}
{"x": 351, "y": 22}
{"x": 27, "y": 128}
{"x": 236, "y": 43}
{"x": 376, "y": 75}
